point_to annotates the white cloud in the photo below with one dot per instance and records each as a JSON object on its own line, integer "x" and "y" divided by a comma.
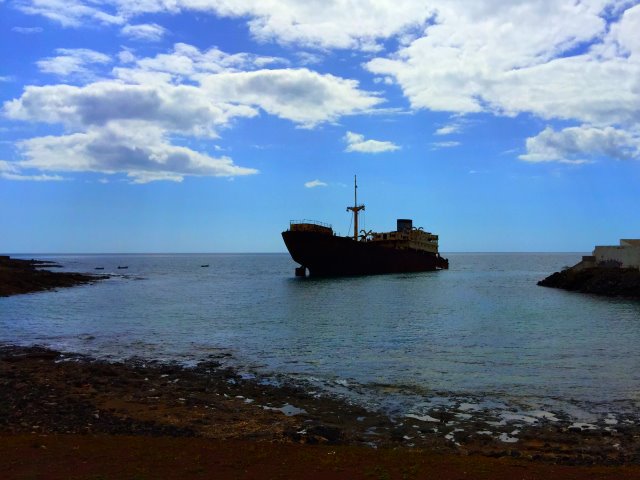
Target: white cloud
{"x": 124, "y": 129}
{"x": 72, "y": 13}
{"x": 458, "y": 55}
{"x": 185, "y": 109}
{"x": 623, "y": 38}
{"x": 554, "y": 59}
{"x": 72, "y": 62}
{"x": 148, "y": 32}
{"x": 9, "y": 167}
{"x": 31, "y": 178}
{"x": 438, "y": 145}
{"x": 357, "y": 143}
{"x": 508, "y": 58}
{"x": 331, "y": 24}
{"x": 308, "y": 58}
{"x": 27, "y": 30}
{"x": 141, "y": 151}
{"x": 11, "y": 171}
{"x": 449, "y": 129}
{"x": 187, "y": 63}
{"x": 300, "y": 95}
{"x": 578, "y": 144}
{"x": 126, "y": 56}
{"x": 315, "y": 183}
{"x": 122, "y": 126}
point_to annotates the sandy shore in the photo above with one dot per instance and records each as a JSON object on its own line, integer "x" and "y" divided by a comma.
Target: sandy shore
{"x": 60, "y": 412}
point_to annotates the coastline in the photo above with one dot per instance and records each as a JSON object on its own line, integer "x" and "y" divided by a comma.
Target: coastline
{"x": 600, "y": 280}
{"x": 54, "y": 398}
{"x": 19, "y": 276}
{"x": 63, "y": 411}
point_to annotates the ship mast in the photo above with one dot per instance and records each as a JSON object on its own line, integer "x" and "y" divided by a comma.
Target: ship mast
{"x": 356, "y": 208}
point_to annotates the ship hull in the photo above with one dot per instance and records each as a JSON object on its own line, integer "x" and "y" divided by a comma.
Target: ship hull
{"x": 328, "y": 255}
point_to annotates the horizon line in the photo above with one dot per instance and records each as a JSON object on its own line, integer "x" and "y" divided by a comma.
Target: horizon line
{"x": 279, "y": 252}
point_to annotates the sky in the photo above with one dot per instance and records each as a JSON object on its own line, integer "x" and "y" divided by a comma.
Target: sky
{"x": 207, "y": 125}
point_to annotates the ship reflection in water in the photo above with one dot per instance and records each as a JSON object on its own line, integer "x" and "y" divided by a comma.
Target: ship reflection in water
{"x": 321, "y": 252}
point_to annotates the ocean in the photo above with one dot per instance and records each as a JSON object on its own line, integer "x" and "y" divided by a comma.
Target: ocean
{"x": 481, "y": 335}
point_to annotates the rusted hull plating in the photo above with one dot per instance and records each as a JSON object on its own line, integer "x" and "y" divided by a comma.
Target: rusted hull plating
{"x": 328, "y": 255}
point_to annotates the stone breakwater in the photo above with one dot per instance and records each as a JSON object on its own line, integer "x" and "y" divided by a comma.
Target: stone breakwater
{"x": 25, "y": 276}
{"x": 600, "y": 280}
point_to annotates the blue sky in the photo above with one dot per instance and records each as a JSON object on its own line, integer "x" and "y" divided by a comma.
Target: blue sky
{"x": 206, "y": 125}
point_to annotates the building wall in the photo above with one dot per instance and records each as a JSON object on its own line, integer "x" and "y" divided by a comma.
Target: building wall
{"x": 628, "y": 253}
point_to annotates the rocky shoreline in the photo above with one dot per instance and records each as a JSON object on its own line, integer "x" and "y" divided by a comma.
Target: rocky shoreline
{"x": 606, "y": 281}
{"x": 25, "y": 276}
{"x": 45, "y": 392}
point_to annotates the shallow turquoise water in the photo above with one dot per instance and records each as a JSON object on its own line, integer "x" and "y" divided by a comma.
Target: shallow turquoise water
{"x": 483, "y": 329}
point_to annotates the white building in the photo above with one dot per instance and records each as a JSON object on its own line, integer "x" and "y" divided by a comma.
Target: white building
{"x": 626, "y": 255}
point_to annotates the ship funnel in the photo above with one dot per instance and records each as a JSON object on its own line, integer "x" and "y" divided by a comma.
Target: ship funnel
{"x": 404, "y": 224}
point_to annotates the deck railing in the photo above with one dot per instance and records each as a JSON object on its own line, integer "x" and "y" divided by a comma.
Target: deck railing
{"x": 312, "y": 222}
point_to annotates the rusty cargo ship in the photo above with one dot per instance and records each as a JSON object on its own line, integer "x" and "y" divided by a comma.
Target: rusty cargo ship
{"x": 320, "y": 252}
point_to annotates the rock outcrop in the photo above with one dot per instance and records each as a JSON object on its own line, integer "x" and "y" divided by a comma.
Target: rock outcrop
{"x": 600, "y": 280}
{"x": 24, "y": 276}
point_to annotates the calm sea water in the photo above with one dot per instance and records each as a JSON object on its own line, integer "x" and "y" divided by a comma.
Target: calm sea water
{"x": 482, "y": 330}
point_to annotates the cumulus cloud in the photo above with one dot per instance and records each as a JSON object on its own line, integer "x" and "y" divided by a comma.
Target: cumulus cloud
{"x": 178, "y": 108}
{"x": 300, "y": 95}
{"x": 125, "y": 129}
{"x": 516, "y": 58}
{"x": 554, "y": 59}
{"x": 148, "y": 32}
{"x": 577, "y": 61}
{"x": 72, "y": 62}
{"x": 315, "y": 183}
{"x": 312, "y": 24}
{"x": 125, "y": 126}
{"x": 578, "y": 144}
{"x": 141, "y": 151}
{"x": 357, "y": 143}
{"x": 329, "y": 24}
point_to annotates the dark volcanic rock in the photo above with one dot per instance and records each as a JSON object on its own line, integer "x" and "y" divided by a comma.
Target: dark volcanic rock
{"x": 24, "y": 276}
{"x": 45, "y": 392}
{"x": 618, "y": 282}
